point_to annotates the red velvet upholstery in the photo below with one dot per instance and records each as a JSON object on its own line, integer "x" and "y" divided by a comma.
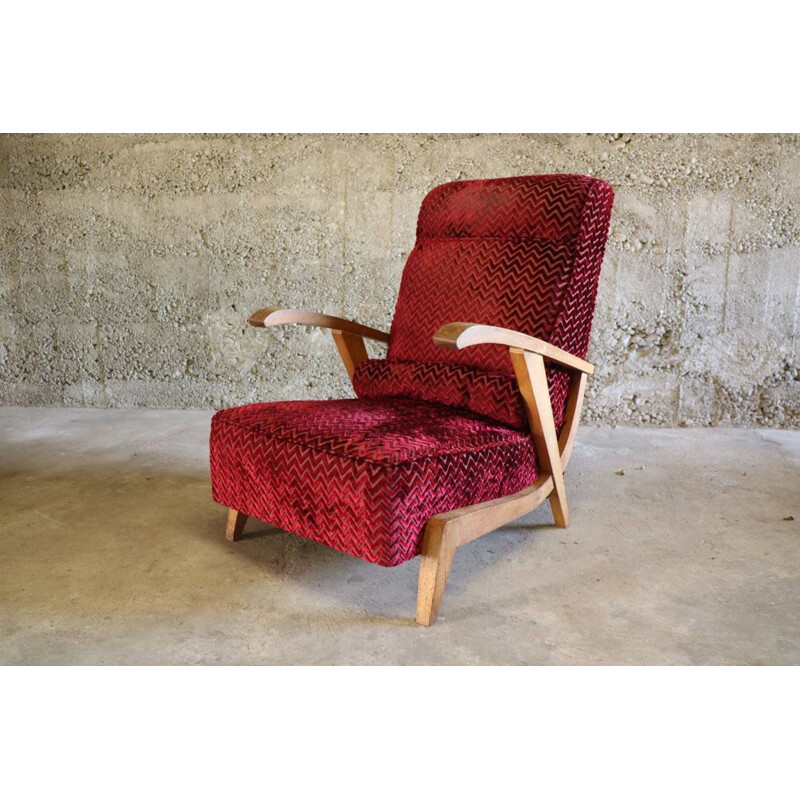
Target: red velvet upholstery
{"x": 492, "y": 394}
{"x": 362, "y": 476}
{"x": 433, "y": 429}
{"x": 520, "y": 253}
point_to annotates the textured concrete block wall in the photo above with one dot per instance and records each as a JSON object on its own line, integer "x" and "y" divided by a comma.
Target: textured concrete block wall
{"x": 129, "y": 264}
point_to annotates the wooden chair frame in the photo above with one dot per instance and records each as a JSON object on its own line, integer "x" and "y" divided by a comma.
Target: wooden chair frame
{"x": 447, "y": 531}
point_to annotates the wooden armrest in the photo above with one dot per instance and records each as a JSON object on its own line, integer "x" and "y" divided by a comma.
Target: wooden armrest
{"x": 458, "y": 335}
{"x": 267, "y": 317}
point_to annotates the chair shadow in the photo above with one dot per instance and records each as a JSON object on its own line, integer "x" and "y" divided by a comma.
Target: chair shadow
{"x": 330, "y": 572}
{"x": 137, "y": 522}
{"x": 270, "y": 530}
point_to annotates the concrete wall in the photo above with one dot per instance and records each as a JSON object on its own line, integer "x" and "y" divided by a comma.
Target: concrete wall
{"x": 129, "y": 264}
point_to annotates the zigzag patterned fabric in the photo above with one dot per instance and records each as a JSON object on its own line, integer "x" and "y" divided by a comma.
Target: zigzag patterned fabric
{"x": 433, "y": 429}
{"x": 520, "y": 253}
{"x": 362, "y": 476}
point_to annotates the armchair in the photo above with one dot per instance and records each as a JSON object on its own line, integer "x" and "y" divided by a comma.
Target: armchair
{"x": 464, "y": 426}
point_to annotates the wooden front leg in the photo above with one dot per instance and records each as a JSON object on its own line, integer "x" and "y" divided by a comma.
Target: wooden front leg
{"x": 435, "y": 562}
{"x": 236, "y": 522}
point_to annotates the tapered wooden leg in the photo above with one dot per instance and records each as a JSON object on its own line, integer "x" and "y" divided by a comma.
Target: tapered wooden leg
{"x": 435, "y": 562}
{"x": 558, "y": 505}
{"x": 236, "y": 522}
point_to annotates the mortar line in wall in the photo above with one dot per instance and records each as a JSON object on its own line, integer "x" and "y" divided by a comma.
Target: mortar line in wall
{"x": 342, "y": 266}
{"x": 796, "y": 316}
{"x": 796, "y": 312}
{"x": 101, "y": 361}
{"x": 389, "y": 259}
{"x": 727, "y": 272}
{"x": 684, "y": 312}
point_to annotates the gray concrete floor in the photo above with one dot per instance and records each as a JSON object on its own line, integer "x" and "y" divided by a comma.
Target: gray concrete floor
{"x": 112, "y": 552}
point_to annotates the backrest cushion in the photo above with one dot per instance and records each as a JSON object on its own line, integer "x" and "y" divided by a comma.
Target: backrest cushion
{"x": 521, "y": 253}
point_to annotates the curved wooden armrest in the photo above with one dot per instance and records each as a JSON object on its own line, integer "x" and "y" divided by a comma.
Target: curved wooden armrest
{"x": 458, "y": 335}
{"x": 266, "y": 317}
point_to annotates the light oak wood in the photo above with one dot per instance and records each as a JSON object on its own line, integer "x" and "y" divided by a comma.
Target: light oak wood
{"x": 236, "y": 523}
{"x": 351, "y": 349}
{"x": 532, "y": 379}
{"x": 267, "y": 317}
{"x": 566, "y": 441}
{"x": 458, "y": 335}
{"x": 470, "y": 522}
{"x": 435, "y": 562}
{"x": 451, "y": 529}
{"x": 447, "y": 531}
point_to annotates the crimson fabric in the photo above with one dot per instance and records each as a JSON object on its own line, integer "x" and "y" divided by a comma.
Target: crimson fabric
{"x": 363, "y": 476}
{"x": 433, "y": 429}
{"x": 493, "y": 394}
{"x": 521, "y": 253}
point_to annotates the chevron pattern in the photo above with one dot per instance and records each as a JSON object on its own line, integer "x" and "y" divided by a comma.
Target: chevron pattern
{"x": 519, "y": 253}
{"x": 362, "y": 476}
{"x": 534, "y": 206}
{"x": 433, "y": 429}
{"x": 491, "y": 394}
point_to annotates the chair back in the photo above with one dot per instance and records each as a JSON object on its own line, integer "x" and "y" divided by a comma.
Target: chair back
{"x": 521, "y": 253}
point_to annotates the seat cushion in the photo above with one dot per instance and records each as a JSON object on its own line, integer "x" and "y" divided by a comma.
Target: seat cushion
{"x": 363, "y": 476}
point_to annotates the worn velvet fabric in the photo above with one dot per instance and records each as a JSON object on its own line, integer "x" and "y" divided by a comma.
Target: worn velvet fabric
{"x": 433, "y": 429}
{"x": 363, "y": 476}
{"x": 518, "y": 253}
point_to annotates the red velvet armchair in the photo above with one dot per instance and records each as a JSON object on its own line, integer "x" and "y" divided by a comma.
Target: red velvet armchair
{"x": 465, "y": 425}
